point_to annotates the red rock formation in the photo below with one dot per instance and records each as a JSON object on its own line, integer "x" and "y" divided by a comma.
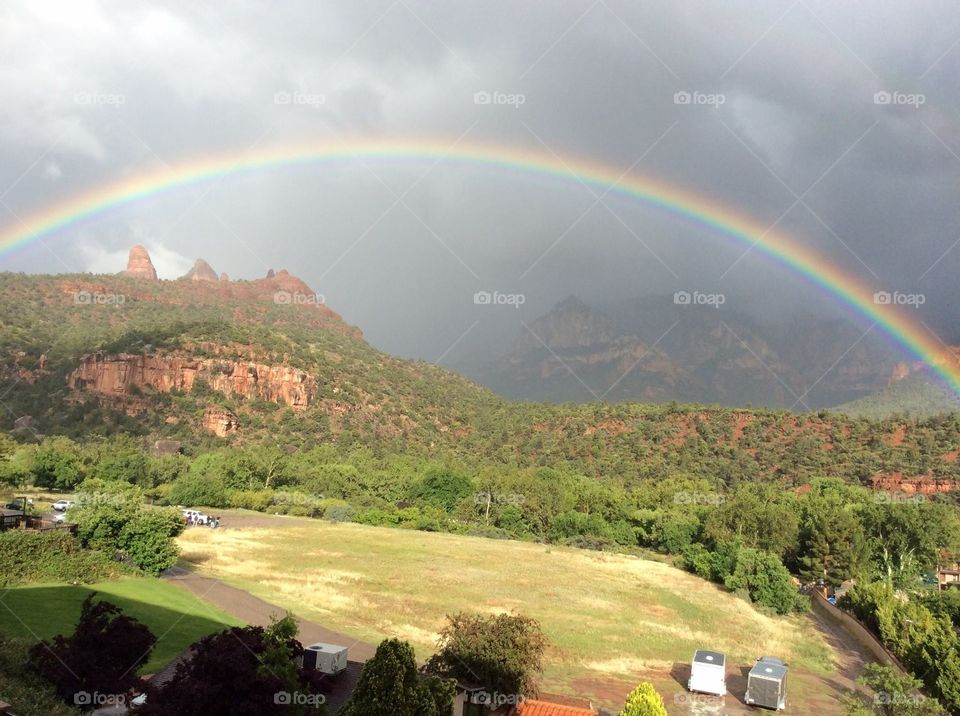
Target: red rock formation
{"x": 224, "y": 276}
{"x": 113, "y": 376}
{"x": 139, "y": 264}
{"x": 220, "y": 421}
{"x": 896, "y": 483}
{"x": 201, "y": 271}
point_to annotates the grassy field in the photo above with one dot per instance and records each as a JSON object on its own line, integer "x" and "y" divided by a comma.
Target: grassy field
{"x": 612, "y": 620}
{"x": 176, "y": 617}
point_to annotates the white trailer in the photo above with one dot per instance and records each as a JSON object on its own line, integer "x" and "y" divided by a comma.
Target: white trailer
{"x": 708, "y": 673}
{"x": 325, "y": 658}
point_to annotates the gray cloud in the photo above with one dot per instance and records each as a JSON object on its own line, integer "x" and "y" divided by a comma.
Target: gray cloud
{"x": 94, "y": 93}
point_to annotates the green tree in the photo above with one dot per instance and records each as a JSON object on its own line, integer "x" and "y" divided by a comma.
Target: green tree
{"x": 892, "y": 695}
{"x": 389, "y": 685}
{"x": 148, "y": 539}
{"x": 444, "y": 488}
{"x": 763, "y": 576}
{"x": 644, "y": 701}
{"x": 833, "y": 545}
{"x": 503, "y": 652}
{"x": 56, "y": 464}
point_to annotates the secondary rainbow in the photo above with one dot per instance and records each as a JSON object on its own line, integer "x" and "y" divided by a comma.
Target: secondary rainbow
{"x": 721, "y": 220}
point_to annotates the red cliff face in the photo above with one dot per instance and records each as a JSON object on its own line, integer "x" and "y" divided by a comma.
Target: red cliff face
{"x": 898, "y": 484}
{"x": 113, "y": 376}
{"x": 139, "y": 264}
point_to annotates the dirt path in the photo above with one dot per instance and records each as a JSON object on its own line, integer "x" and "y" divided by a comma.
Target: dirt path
{"x": 253, "y": 610}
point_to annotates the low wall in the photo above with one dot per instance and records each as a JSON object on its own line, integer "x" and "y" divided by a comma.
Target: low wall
{"x": 857, "y": 631}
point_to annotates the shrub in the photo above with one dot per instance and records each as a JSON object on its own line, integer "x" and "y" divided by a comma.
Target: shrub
{"x": 644, "y": 701}
{"x": 102, "y": 654}
{"x": 53, "y": 556}
{"x": 338, "y": 512}
{"x": 257, "y": 500}
{"x": 32, "y": 695}
{"x": 193, "y": 489}
{"x": 148, "y": 539}
{"x": 763, "y": 576}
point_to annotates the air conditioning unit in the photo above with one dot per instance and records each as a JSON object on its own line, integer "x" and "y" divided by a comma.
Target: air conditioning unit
{"x": 325, "y": 658}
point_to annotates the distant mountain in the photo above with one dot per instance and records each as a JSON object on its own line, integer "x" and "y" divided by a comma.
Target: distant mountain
{"x": 912, "y": 391}
{"x": 654, "y": 350}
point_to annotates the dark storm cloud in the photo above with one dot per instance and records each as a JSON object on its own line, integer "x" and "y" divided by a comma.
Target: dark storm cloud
{"x": 872, "y": 184}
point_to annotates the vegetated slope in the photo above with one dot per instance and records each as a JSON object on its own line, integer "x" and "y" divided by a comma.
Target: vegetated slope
{"x": 49, "y": 323}
{"x": 916, "y": 395}
{"x": 223, "y": 362}
{"x": 612, "y": 620}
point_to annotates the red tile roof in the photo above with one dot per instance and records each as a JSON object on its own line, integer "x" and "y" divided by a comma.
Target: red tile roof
{"x": 532, "y": 707}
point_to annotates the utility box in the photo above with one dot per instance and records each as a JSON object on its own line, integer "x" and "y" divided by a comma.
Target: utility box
{"x": 767, "y": 684}
{"x": 325, "y": 658}
{"x": 708, "y": 673}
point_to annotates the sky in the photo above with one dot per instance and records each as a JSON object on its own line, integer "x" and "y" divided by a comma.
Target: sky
{"x": 834, "y": 122}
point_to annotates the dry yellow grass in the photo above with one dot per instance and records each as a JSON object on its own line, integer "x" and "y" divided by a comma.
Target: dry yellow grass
{"x": 606, "y": 614}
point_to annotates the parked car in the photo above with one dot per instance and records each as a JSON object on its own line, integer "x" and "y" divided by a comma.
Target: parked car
{"x": 62, "y": 505}
{"x": 60, "y": 519}
{"x": 197, "y": 516}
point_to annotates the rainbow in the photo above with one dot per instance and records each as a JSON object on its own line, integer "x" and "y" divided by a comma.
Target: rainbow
{"x": 733, "y": 225}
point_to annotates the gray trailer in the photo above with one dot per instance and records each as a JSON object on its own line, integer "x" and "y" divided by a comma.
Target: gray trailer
{"x": 767, "y": 684}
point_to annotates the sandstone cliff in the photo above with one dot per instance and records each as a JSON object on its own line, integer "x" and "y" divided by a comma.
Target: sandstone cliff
{"x": 201, "y": 271}
{"x": 115, "y": 377}
{"x": 139, "y": 264}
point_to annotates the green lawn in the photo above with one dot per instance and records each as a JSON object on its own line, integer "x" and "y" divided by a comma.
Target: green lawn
{"x": 174, "y": 615}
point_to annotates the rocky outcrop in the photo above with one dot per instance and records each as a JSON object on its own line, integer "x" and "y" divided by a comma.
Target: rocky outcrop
{"x": 116, "y": 376}
{"x": 201, "y": 271}
{"x": 139, "y": 264}
{"x": 897, "y": 483}
{"x": 224, "y": 276}
{"x": 220, "y": 421}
